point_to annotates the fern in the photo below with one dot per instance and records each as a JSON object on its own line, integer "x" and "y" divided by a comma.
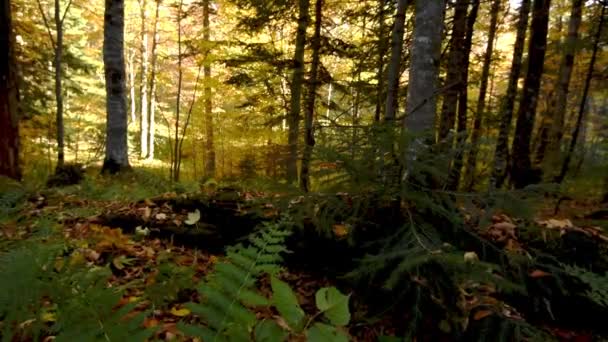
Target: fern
{"x": 598, "y": 284}
{"x": 230, "y": 290}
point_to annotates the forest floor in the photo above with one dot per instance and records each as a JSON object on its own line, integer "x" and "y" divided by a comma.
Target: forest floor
{"x": 159, "y": 269}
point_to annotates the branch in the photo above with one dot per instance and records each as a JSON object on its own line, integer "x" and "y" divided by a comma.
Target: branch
{"x": 46, "y": 24}
{"x": 65, "y": 12}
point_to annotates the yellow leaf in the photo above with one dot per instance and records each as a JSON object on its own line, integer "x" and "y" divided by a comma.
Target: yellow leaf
{"x": 180, "y": 312}
{"x": 340, "y": 230}
{"x": 48, "y": 317}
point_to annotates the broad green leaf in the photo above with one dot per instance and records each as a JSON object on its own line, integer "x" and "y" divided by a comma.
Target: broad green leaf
{"x": 269, "y": 331}
{"x": 320, "y": 332}
{"x": 334, "y": 305}
{"x": 286, "y": 302}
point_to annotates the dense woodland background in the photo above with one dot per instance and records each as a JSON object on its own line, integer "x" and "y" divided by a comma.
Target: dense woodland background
{"x": 397, "y": 136}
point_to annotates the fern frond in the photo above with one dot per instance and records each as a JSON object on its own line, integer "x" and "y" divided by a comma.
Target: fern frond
{"x": 229, "y": 291}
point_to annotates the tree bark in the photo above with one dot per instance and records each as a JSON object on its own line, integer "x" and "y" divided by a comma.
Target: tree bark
{"x": 131, "y": 67}
{"x": 296, "y": 91}
{"x": 152, "y": 91}
{"x": 463, "y": 101}
{"x": 174, "y": 169}
{"x": 481, "y": 100}
{"x": 208, "y": 94}
{"x": 501, "y": 153}
{"x": 453, "y": 80}
{"x": 394, "y": 67}
{"x": 117, "y": 157}
{"x": 58, "y": 88}
{"x": 557, "y": 107}
{"x": 9, "y": 98}
{"x": 582, "y": 107}
{"x": 309, "y": 138}
{"x": 380, "y": 71}
{"x": 522, "y": 172}
{"x": 424, "y": 68}
{"x": 143, "y": 88}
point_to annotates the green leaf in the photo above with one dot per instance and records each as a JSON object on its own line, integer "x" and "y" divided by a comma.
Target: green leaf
{"x": 334, "y": 305}
{"x": 287, "y": 304}
{"x": 320, "y": 332}
{"x": 269, "y": 331}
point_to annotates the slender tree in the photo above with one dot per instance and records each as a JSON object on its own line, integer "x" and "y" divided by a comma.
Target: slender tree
{"x": 455, "y": 61}
{"x": 178, "y": 99}
{"x": 9, "y": 98}
{"x": 501, "y": 153}
{"x": 583, "y": 104}
{"x": 117, "y": 157}
{"x": 550, "y": 145}
{"x": 152, "y": 85}
{"x": 463, "y": 100}
{"x": 208, "y": 94}
{"x": 143, "y": 87}
{"x": 521, "y": 172}
{"x": 57, "y": 44}
{"x": 382, "y": 46}
{"x": 481, "y": 99}
{"x": 296, "y": 91}
{"x": 394, "y": 66}
{"x": 309, "y": 138}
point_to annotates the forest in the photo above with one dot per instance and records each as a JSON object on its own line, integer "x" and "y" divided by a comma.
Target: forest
{"x": 306, "y": 170}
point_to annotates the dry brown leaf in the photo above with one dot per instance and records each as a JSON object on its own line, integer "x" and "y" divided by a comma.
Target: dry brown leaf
{"x": 481, "y": 314}
{"x": 539, "y": 274}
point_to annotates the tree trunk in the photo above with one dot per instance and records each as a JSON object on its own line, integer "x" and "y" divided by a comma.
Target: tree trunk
{"x": 310, "y": 100}
{"x": 143, "y": 87}
{"x": 152, "y": 91}
{"x": 481, "y": 100}
{"x": 582, "y": 107}
{"x": 394, "y": 67}
{"x": 522, "y": 173}
{"x": 501, "y": 153}
{"x": 424, "y": 68}
{"x": 209, "y": 147}
{"x": 559, "y": 102}
{"x": 381, "y": 52}
{"x": 463, "y": 101}
{"x": 117, "y": 156}
{"x": 58, "y": 88}
{"x": 174, "y": 169}
{"x": 131, "y": 66}
{"x": 453, "y": 80}
{"x": 296, "y": 91}
{"x": 9, "y": 98}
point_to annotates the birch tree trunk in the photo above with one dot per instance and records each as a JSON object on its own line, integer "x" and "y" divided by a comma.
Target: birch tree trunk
{"x": 175, "y": 161}
{"x": 208, "y": 95}
{"x": 296, "y": 91}
{"x": 9, "y": 98}
{"x": 481, "y": 100}
{"x": 501, "y": 153}
{"x": 522, "y": 173}
{"x": 380, "y": 70}
{"x": 309, "y": 138}
{"x": 143, "y": 88}
{"x": 559, "y": 102}
{"x": 117, "y": 154}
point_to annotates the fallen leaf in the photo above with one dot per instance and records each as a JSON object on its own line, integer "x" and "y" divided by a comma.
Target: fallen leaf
{"x": 161, "y": 216}
{"x": 470, "y": 257}
{"x": 481, "y": 314}
{"x": 557, "y": 224}
{"x": 340, "y": 230}
{"x": 193, "y": 217}
{"x": 180, "y": 312}
{"x": 539, "y": 274}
